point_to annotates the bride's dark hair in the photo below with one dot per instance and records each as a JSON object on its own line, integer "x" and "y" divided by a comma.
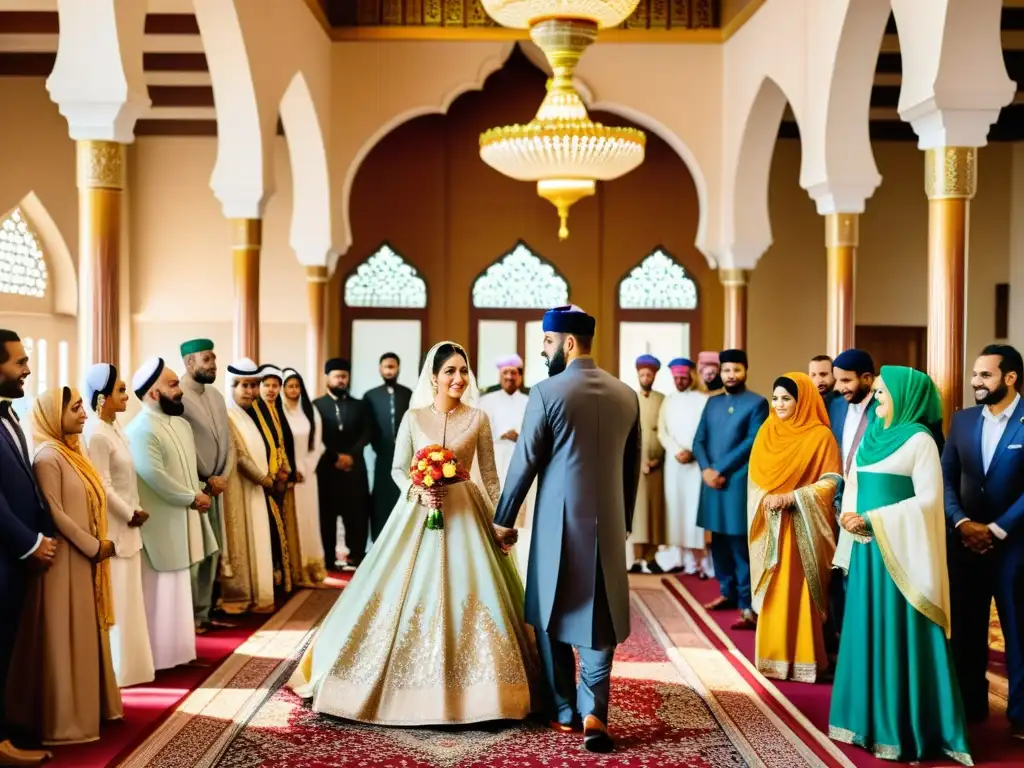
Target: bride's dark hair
{"x": 446, "y": 351}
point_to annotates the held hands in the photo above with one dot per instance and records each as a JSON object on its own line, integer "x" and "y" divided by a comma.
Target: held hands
{"x": 138, "y": 519}
{"x": 202, "y": 502}
{"x": 344, "y": 462}
{"x": 43, "y": 557}
{"x": 505, "y": 538}
{"x": 779, "y": 502}
{"x": 105, "y": 552}
{"x": 976, "y": 537}
{"x": 215, "y": 486}
{"x": 511, "y": 435}
{"x": 685, "y": 457}
{"x": 854, "y": 523}
{"x": 713, "y": 479}
{"x": 299, "y": 477}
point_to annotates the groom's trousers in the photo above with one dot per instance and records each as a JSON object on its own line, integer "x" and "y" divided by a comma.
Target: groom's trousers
{"x": 562, "y": 698}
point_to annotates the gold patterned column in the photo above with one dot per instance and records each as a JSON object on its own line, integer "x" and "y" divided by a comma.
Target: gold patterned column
{"x": 246, "y": 239}
{"x": 735, "y": 283}
{"x": 841, "y": 234}
{"x": 316, "y": 290}
{"x": 950, "y": 181}
{"x": 101, "y": 179}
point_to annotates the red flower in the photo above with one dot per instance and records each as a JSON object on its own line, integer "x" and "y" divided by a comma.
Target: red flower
{"x": 417, "y": 478}
{"x": 435, "y": 472}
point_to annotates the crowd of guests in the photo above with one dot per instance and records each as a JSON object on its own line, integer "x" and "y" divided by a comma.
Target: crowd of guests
{"x": 122, "y": 545}
{"x": 836, "y": 530}
{"x": 858, "y": 541}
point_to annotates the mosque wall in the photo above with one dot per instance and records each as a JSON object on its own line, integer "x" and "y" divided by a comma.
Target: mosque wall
{"x": 179, "y": 244}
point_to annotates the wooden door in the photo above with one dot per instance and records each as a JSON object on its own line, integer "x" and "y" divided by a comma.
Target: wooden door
{"x": 894, "y": 344}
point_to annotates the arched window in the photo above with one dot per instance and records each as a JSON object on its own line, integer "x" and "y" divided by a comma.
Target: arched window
{"x": 520, "y": 280}
{"x": 386, "y": 311}
{"x": 508, "y": 299}
{"x": 658, "y": 314}
{"x": 22, "y": 264}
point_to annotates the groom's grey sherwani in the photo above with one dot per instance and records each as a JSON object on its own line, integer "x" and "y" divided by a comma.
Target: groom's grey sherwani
{"x": 581, "y": 437}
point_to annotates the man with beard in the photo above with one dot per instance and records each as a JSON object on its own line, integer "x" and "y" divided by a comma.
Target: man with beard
{"x": 725, "y": 437}
{"x": 388, "y": 404}
{"x": 341, "y": 473}
{"x": 853, "y": 410}
{"x": 26, "y": 528}
{"x": 709, "y": 369}
{"x": 649, "y": 511}
{"x": 207, "y": 413}
{"x": 176, "y": 536}
{"x": 983, "y": 473}
{"x": 506, "y": 409}
{"x": 820, "y": 371}
{"x": 581, "y": 438}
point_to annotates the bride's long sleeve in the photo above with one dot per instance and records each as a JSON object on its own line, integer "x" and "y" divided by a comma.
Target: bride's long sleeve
{"x": 485, "y": 458}
{"x": 403, "y": 455}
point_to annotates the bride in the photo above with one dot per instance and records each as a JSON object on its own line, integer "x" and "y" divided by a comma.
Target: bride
{"x": 430, "y": 630}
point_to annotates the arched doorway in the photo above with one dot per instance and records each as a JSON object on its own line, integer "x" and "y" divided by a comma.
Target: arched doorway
{"x": 506, "y": 305}
{"x": 657, "y": 313}
{"x": 385, "y": 310}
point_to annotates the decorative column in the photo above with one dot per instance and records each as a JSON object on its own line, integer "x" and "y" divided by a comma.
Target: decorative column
{"x": 841, "y": 235}
{"x": 246, "y": 239}
{"x": 735, "y": 283}
{"x": 101, "y": 179}
{"x": 316, "y": 291}
{"x": 950, "y": 181}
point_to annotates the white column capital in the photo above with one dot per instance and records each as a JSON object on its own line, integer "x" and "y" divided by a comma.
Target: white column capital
{"x": 97, "y": 80}
{"x": 239, "y": 202}
{"x": 948, "y": 127}
{"x": 736, "y": 256}
{"x": 841, "y": 198}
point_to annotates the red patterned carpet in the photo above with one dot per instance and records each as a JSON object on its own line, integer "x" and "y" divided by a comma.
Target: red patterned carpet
{"x": 676, "y": 701}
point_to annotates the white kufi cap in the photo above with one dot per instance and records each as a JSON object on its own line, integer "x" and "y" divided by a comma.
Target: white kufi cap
{"x": 146, "y": 376}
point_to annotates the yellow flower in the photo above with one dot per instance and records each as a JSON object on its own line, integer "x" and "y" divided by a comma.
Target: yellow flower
{"x": 448, "y": 470}
{"x": 422, "y": 465}
{"x": 428, "y": 481}
{"x": 435, "y": 456}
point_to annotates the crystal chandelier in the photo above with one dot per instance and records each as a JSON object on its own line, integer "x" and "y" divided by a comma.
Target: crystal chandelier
{"x": 562, "y": 149}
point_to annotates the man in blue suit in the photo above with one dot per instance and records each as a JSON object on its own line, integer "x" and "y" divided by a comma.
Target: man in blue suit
{"x": 983, "y": 473}
{"x": 722, "y": 446}
{"x": 25, "y": 526}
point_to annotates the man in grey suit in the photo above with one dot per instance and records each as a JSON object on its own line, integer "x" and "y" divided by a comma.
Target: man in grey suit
{"x": 581, "y": 438}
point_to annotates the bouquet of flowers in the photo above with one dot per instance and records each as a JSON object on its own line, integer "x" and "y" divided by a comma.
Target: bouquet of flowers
{"x": 433, "y": 469}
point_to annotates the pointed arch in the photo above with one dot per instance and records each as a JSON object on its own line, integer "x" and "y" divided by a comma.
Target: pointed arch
{"x": 659, "y": 281}
{"x": 311, "y": 186}
{"x": 520, "y": 279}
{"x": 385, "y": 280}
{"x": 59, "y": 280}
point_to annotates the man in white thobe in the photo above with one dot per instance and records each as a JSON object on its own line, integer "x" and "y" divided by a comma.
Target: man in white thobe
{"x": 506, "y": 408}
{"x": 177, "y": 534}
{"x": 677, "y": 427}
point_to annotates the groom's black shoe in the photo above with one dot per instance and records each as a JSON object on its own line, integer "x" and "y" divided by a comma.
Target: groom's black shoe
{"x": 595, "y": 736}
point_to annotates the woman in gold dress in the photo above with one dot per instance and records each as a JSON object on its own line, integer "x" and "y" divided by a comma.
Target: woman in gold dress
{"x": 795, "y": 472}
{"x": 430, "y": 630}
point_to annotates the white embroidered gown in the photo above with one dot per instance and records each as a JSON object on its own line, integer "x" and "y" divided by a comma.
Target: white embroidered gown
{"x": 430, "y": 630}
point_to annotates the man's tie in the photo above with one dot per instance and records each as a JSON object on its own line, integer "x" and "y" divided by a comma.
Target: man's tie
{"x": 7, "y": 414}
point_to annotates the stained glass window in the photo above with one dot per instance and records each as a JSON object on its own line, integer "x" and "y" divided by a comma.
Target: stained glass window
{"x": 658, "y": 282}
{"x": 520, "y": 280}
{"x": 386, "y": 280}
{"x": 22, "y": 266}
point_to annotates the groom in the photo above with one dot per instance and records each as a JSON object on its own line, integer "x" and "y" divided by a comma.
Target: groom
{"x": 581, "y": 438}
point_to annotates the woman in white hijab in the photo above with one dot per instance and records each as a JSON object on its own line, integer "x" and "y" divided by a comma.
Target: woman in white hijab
{"x": 130, "y": 649}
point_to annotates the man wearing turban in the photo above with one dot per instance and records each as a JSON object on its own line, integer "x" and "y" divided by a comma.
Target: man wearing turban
{"x": 649, "y": 512}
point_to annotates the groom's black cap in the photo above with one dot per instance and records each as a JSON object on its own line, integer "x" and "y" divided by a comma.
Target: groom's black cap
{"x": 570, "y": 319}
{"x": 336, "y": 364}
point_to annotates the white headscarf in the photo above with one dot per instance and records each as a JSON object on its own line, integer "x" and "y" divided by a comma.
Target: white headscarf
{"x": 423, "y": 395}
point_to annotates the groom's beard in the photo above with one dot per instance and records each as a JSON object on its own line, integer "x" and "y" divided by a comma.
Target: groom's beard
{"x": 172, "y": 406}
{"x": 556, "y": 363}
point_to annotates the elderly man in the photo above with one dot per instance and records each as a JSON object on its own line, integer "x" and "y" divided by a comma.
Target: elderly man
{"x": 709, "y": 369}
{"x": 177, "y": 534}
{"x": 649, "y": 511}
{"x": 206, "y": 412}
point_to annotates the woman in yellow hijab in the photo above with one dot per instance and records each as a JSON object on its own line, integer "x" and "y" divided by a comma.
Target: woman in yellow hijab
{"x": 62, "y": 684}
{"x": 795, "y": 472}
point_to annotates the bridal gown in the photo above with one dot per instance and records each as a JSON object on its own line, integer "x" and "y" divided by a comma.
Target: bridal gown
{"x": 430, "y": 630}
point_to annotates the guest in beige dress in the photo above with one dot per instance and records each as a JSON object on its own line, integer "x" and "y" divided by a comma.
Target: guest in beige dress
{"x": 62, "y": 684}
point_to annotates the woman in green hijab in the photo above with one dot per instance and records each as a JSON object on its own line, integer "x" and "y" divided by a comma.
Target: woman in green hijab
{"x": 896, "y": 692}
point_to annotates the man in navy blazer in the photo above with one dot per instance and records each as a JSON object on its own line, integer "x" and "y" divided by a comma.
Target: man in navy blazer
{"x": 25, "y": 526}
{"x": 983, "y": 473}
